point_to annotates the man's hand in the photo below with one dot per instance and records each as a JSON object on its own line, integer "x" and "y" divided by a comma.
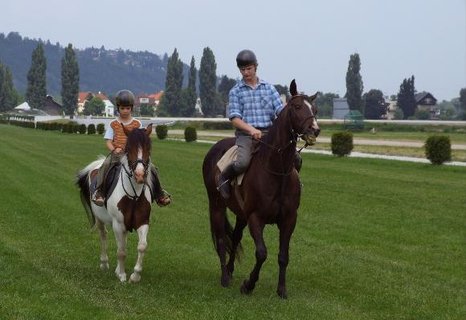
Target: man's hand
{"x": 256, "y": 134}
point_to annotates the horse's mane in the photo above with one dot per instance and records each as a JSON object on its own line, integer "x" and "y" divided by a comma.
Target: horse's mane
{"x": 136, "y": 138}
{"x": 271, "y": 134}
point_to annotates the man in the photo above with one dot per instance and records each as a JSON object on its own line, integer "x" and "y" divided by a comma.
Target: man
{"x": 253, "y": 105}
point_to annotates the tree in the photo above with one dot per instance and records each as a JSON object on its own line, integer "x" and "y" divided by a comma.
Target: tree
{"x": 188, "y": 95}
{"x": 354, "y": 85}
{"x": 169, "y": 105}
{"x": 211, "y": 101}
{"x": 324, "y": 104}
{"x": 374, "y": 104}
{"x": 462, "y": 106}
{"x": 406, "y": 100}
{"x": 8, "y": 95}
{"x": 37, "y": 89}
{"x": 69, "y": 81}
{"x": 95, "y": 106}
{"x": 224, "y": 88}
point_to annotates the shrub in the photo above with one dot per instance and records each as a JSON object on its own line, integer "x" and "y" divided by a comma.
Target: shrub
{"x": 342, "y": 143}
{"x": 100, "y": 128}
{"x": 91, "y": 129}
{"x": 82, "y": 128}
{"x": 190, "y": 134}
{"x": 161, "y": 131}
{"x": 438, "y": 149}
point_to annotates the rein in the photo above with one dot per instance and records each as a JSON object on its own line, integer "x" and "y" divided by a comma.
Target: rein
{"x": 129, "y": 174}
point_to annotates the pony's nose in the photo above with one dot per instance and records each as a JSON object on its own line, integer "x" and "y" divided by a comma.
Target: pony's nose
{"x": 317, "y": 132}
{"x": 139, "y": 176}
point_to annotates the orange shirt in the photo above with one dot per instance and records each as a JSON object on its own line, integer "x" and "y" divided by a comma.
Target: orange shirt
{"x": 119, "y": 137}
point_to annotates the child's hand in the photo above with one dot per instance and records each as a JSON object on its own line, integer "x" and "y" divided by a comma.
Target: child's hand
{"x": 117, "y": 150}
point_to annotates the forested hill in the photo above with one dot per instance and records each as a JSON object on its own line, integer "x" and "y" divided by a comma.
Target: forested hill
{"x": 100, "y": 69}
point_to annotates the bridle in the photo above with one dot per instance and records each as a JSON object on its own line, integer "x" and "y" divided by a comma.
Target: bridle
{"x": 293, "y": 134}
{"x": 129, "y": 170}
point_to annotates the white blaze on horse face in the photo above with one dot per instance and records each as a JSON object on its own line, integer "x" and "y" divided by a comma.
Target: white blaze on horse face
{"x": 315, "y": 126}
{"x": 139, "y": 170}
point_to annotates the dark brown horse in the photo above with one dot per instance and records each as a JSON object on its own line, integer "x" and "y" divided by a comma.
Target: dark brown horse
{"x": 269, "y": 194}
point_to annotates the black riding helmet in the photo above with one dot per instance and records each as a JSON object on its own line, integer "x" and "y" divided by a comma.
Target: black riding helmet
{"x": 124, "y": 98}
{"x": 245, "y": 58}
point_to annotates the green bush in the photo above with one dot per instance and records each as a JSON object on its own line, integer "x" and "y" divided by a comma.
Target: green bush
{"x": 342, "y": 143}
{"x": 190, "y": 134}
{"x": 82, "y": 128}
{"x": 91, "y": 129}
{"x": 100, "y": 128}
{"x": 161, "y": 131}
{"x": 438, "y": 149}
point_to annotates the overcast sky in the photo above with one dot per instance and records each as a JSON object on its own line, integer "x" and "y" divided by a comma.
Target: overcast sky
{"x": 310, "y": 40}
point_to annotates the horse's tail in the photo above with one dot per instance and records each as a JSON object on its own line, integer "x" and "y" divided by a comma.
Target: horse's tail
{"x": 217, "y": 206}
{"x": 83, "y": 182}
{"x": 228, "y": 228}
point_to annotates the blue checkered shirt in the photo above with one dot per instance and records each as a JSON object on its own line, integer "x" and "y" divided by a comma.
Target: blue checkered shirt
{"x": 257, "y": 107}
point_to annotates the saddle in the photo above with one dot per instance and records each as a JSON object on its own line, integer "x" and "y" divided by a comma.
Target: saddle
{"x": 109, "y": 183}
{"x": 228, "y": 158}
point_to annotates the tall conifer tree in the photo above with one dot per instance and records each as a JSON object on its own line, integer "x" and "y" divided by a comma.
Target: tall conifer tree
{"x": 37, "y": 87}
{"x": 189, "y": 95}
{"x": 69, "y": 80}
{"x": 354, "y": 85}
{"x": 406, "y": 100}
{"x": 8, "y": 93}
{"x": 207, "y": 84}
{"x": 171, "y": 97}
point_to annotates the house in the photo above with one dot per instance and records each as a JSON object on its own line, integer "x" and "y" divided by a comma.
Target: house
{"x": 426, "y": 102}
{"x": 83, "y": 97}
{"x": 152, "y": 100}
{"x": 52, "y": 108}
{"x": 340, "y": 108}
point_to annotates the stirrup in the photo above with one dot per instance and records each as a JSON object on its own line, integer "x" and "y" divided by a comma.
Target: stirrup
{"x": 98, "y": 199}
{"x": 224, "y": 189}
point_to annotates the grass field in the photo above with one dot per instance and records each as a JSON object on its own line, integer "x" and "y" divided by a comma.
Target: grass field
{"x": 375, "y": 239}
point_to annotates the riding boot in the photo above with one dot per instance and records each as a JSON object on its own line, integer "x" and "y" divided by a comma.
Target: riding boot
{"x": 224, "y": 180}
{"x": 162, "y": 197}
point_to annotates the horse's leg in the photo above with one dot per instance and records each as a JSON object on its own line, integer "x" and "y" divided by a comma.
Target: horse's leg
{"x": 103, "y": 245}
{"x": 120, "y": 236}
{"x": 286, "y": 228}
{"x": 236, "y": 240}
{"x": 142, "y": 246}
{"x": 256, "y": 228}
{"x": 217, "y": 226}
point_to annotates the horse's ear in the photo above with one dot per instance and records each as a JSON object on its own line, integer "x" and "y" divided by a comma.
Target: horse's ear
{"x": 149, "y": 129}
{"x": 313, "y": 97}
{"x": 293, "y": 89}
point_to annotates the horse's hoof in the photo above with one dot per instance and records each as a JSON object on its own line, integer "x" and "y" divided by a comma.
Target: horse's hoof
{"x": 135, "y": 277}
{"x": 225, "y": 281}
{"x": 282, "y": 293}
{"x": 245, "y": 288}
{"x": 104, "y": 266}
{"x": 122, "y": 277}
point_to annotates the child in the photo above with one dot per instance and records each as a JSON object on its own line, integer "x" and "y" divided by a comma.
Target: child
{"x": 115, "y": 140}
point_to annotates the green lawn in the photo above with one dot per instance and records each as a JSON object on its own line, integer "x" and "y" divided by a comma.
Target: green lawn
{"x": 375, "y": 239}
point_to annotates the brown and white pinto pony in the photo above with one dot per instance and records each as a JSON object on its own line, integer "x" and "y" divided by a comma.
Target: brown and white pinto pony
{"x": 128, "y": 205}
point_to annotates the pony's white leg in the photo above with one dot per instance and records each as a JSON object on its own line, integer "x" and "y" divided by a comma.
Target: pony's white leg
{"x": 120, "y": 236}
{"x": 142, "y": 246}
{"x": 103, "y": 245}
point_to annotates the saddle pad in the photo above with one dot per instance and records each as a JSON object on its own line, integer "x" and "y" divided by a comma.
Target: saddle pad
{"x": 228, "y": 158}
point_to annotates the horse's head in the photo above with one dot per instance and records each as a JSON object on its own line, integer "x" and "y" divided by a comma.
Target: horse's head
{"x": 303, "y": 111}
{"x": 138, "y": 149}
